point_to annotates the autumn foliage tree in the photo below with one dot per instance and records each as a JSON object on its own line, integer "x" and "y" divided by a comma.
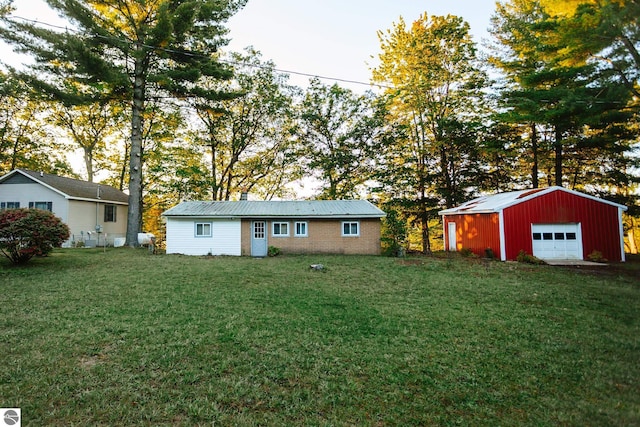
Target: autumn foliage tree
{"x": 433, "y": 82}
{"x": 25, "y": 233}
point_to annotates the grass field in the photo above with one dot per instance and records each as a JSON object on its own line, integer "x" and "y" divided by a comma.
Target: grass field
{"x": 123, "y": 337}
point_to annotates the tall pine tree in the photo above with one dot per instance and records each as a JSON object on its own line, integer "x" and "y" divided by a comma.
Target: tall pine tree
{"x": 573, "y": 106}
{"x": 127, "y": 50}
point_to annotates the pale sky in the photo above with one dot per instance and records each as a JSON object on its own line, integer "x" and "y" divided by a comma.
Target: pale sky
{"x": 337, "y": 38}
{"x": 332, "y": 38}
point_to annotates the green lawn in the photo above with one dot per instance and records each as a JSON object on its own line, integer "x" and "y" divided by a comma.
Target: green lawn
{"x": 123, "y": 337}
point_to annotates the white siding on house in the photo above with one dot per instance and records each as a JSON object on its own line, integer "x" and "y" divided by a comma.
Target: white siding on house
{"x": 225, "y": 239}
{"x": 25, "y": 193}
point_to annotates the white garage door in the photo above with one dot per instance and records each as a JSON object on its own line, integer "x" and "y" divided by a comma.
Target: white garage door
{"x": 557, "y": 241}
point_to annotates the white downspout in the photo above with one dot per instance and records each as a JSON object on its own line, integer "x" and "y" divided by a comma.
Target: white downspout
{"x": 621, "y": 228}
{"x": 503, "y": 250}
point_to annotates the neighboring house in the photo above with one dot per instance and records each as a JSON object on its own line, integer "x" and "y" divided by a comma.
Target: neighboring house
{"x": 549, "y": 223}
{"x": 250, "y": 227}
{"x": 86, "y": 207}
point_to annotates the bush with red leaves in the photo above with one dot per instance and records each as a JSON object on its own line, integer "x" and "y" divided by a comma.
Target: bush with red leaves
{"x": 25, "y": 233}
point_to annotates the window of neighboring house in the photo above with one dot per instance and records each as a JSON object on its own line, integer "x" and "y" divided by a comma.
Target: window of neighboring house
{"x": 280, "y": 229}
{"x": 203, "y": 229}
{"x": 109, "y": 213}
{"x": 351, "y": 229}
{"x": 9, "y": 205}
{"x": 45, "y": 206}
{"x": 301, "y": 229}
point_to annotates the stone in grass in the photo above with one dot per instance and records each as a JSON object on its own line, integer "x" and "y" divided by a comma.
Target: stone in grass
{"x": 317, "y": 267}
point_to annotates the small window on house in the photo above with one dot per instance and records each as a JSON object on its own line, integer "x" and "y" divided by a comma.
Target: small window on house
{"x": 45, "y": 206}
{"x": 9, "y": 205}
{"x": 547, "y": 236}
{"x": 301, "y": 229}
{"x": 571, "y": 236}
{"x": 110, "y": 213}
{"x": 537, "y": 236}
{"x": 558, "y": 236}
{"x": 351, "y": 229}
{"x": 280, "y": 229}
{"x": 203, "y": 229}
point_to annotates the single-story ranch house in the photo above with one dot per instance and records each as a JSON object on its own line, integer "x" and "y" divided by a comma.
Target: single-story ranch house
{"x": 84, "y": 206}
{"x": 248, "y": 227}
{"x": 549, "y": 223}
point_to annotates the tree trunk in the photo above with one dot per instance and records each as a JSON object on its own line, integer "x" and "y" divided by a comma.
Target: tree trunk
{"x": 134, "y": 216}
{"x": 446, "y": 177}
{"x": 214, "y": 172}
{"x": 558, "y": 154}
{"x": 88, "y": 163}
{"x": 534, "y": 150}
{"x": 424, "y": 224}
{"x": 424, "y": 221}
{"x": 14, "y": 154}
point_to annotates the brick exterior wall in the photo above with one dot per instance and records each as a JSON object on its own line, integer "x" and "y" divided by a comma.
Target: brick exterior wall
{"x": 324, "y": 236}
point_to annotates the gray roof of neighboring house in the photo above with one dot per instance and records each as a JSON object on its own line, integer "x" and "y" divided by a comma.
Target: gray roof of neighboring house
{"x": 498, "y": 202}
{"x": 277, "y": 209}
{"x": 71, "y": 188}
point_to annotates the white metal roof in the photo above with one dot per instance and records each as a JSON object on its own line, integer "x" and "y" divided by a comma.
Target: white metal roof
{"x": 277, "y": 209}
{"x": 498, "y": 202}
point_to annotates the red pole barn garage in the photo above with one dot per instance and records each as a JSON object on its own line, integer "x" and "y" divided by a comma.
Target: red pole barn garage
{"x": 549, "y": 223}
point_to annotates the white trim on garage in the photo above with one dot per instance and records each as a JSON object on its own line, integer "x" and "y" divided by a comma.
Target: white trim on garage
{"x": 452, "y": 237}
{"x": 621, "y": 227}
{"x": 503, "y": 240}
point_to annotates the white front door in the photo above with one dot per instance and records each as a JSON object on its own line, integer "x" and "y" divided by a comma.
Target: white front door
{"x": 557, "y": 241}
{"x": 451, "y": 234}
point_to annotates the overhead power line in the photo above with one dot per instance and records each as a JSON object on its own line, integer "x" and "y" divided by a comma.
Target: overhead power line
{"x": 199, "y": 55}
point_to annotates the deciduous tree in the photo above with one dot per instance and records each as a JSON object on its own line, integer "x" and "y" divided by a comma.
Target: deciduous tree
{"x": 433, "y": 89}
{"x": 90, "y": 127}
{"x": 247, "y": 137}
{"x": 25, "y": 139}
{"x": 339, "y": 132}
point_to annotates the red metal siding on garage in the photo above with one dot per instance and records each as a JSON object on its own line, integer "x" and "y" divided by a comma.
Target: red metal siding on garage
{"x": 476, "y": 232}
{"x": 600, "y": 227}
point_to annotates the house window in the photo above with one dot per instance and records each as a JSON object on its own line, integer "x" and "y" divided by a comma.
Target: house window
{"x": 351, "y": 229}
{"x": 203, "y": 229}
{"x": 9, "y": 205}
{"x": 45, "y": 206}
{"x": 109, "y": 213}
{"x": 301, "y": 229}
{"x": 280, "y": 229}
{"x": 258, "y": 230}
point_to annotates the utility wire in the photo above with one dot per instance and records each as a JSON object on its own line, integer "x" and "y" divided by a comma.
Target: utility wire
{"x": 199, "y": 55}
